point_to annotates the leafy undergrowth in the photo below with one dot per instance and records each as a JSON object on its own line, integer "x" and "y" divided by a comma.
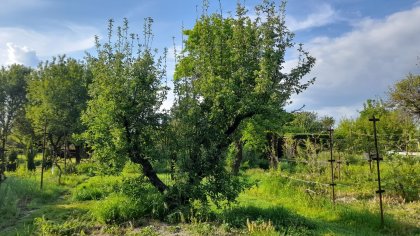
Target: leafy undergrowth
{"x": 274, "y": 206}
{"x": 295, "y": 210}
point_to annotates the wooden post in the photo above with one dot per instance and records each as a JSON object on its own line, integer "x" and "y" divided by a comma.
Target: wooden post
{"x": 2, "y": 159}
{"x": 339, "y": 166}
{"x": 331, "y": 160}
{"x": 43, "y": 155}
{"x": 378, "y": 159}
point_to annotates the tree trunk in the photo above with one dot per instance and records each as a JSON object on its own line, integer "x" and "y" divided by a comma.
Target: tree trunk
{"x": 273, "y": 151}
{"x": 148, "y": 170}
{"x": 78, "y": 153}
{"x": 238, "y": 158}
{"x": 172, "y": 163}
{"x": 138, "y": 158}
{"x": 280, "y": 151}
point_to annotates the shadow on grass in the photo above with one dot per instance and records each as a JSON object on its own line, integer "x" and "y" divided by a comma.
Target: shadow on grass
{"x": 282, "y": 219}
{"x": 51, "y": 220}
{"x": 358, "y": 222}
{"x": 348, "y": 222}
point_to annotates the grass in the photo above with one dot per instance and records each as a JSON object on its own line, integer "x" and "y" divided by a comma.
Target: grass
{"x": 82, "y": 205}
{"x": 315, "y": 213}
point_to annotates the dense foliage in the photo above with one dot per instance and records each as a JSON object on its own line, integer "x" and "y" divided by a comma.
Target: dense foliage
{"x": 396, "y": 130}
{"x": 229, "y": 73}
{"x": 228, "y": 117}
{"x": 13, "y": 82}
{"x": 57, "y": 94}
{"x": 405, "y": 94}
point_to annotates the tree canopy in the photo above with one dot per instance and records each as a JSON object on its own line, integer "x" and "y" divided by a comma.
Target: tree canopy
{"x": 230, "y": 72}
{"x": 405, "y": 94}
{"x": 126, "y": 93}
{"x": 13, "y": 82}
{"x": 57, "y": 94}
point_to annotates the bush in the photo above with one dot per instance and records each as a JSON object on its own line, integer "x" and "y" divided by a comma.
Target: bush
{"x": 403, "y": 178}
{"x": 146, "y": 197}
{"x": 89, "y": 169}
{"x": 116, "y": 208}
{"x": 30, "y": 156}
{"x": 95, "y": 188}
{"x": 12, "y": 161}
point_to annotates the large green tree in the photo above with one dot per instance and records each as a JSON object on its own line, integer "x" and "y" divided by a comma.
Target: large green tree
{"x": 123, "y": 115}
{"x": 229, "y": 73}
{"x": 405, "y": 94}
{"x": 13, "y": 81}
{"x": 57, "y": 94}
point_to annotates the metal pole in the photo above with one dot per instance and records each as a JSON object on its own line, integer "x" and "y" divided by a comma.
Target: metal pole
{"x": 332, "y": 164}
{"x": 43, "y": 155}
{"x": 377, "y": 158}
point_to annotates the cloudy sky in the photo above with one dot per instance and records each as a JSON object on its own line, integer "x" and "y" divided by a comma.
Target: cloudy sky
{"x": 362, "y": 47}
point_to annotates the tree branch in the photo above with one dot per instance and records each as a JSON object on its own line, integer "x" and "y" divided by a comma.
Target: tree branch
{"x": 237, "y": 121}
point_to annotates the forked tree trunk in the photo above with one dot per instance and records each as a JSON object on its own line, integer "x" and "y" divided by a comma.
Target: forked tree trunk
{"x": 138, "y": 158}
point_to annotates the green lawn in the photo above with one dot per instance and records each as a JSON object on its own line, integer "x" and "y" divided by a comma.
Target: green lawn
{"x": 273, "y": 206}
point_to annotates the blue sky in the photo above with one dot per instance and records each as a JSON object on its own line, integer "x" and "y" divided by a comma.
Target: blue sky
{"x": 362, "y": 46}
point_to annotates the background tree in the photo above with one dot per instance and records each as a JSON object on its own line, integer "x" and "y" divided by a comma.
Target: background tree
{"x": 12, "y": 99}
{"x": 229, "y": 72}
{"x": 305, "y": 122}
{"x": 405, "y": 95}
{"x": 263, "y": 137}
{"x": 57, "y": 94}
{"x": 396, "y": 131}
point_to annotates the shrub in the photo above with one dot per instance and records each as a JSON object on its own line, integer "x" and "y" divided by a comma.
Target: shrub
{"x": 135, "y": 198}
{"x": 146, "y": 197}
{"x": 30, "y": 156}
{"x": 116, "y": 208}
{"x": 12, "y": 161}
{"x": 89, "y": 169}
{"x": 403, "y": 178}
{"x": 95, "y": 188}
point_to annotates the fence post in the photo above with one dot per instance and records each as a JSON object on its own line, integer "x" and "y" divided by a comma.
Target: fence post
{"x": 378, "y": 159}
{"x": 2, "y": 159}
{"x": 43, "y": 155}
{"x": 331, "y": 160}
{"x": 339, "y": 166}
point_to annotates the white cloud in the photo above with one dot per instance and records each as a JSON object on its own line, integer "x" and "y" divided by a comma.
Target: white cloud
{"x": 68, "y": 39}
{"x": 363, "y": 63}
{"x": 21, "y": 55}
{"x": 324, "y": 14}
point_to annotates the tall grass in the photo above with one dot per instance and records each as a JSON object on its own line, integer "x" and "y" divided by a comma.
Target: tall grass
{"x": 21, "y": 193}
{"x": 292, "y": 210}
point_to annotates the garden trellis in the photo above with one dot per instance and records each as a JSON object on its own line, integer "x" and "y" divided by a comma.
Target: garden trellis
{"x": 370, "y": 158}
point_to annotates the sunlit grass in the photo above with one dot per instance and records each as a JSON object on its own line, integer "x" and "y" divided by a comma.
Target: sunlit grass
{"x": 273, "y": 206}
